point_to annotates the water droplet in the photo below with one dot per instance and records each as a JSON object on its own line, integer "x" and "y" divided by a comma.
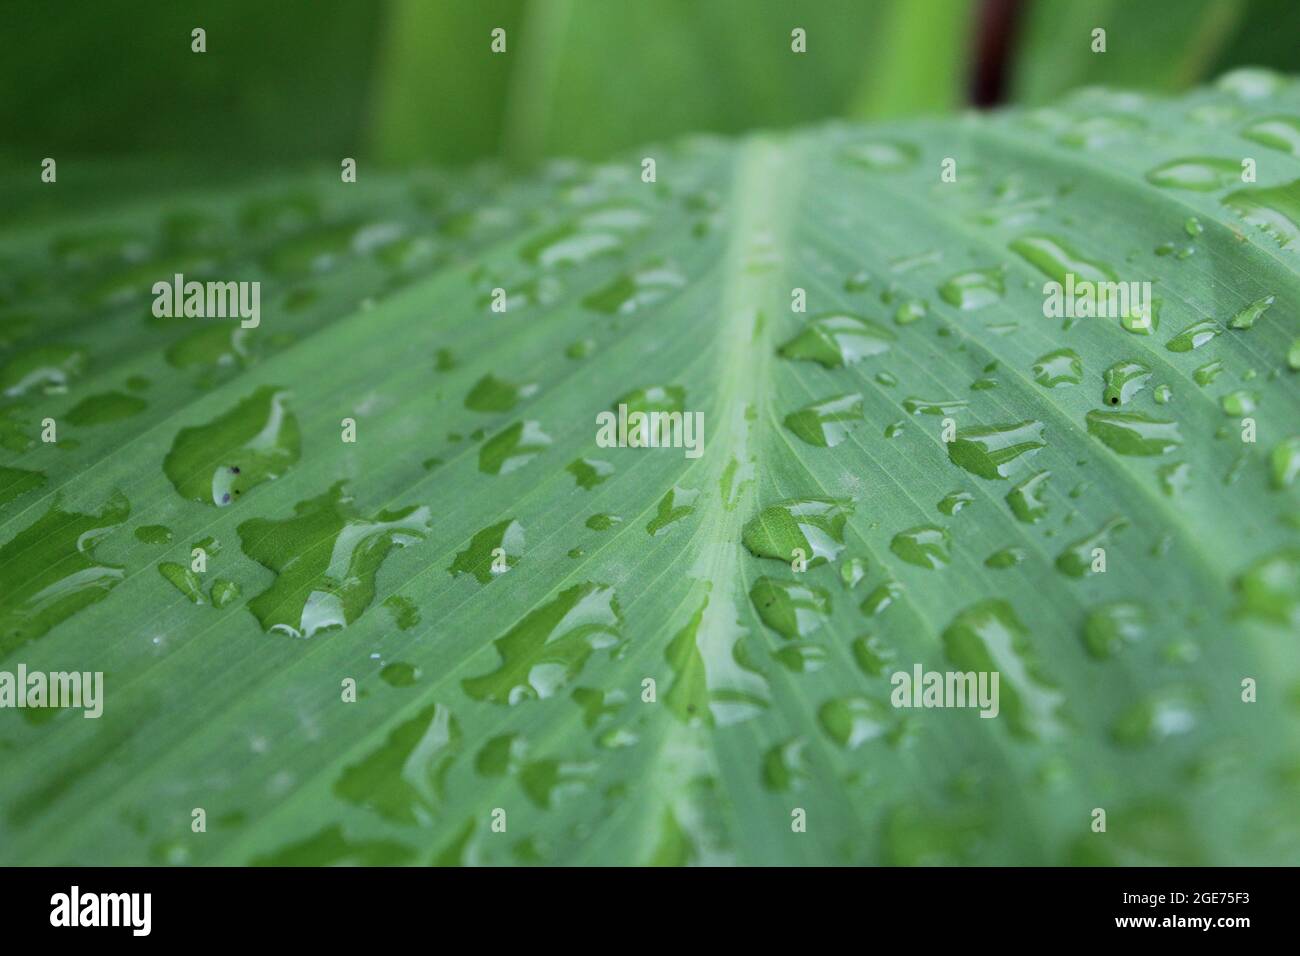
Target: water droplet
{"x": 836, "y": 339}
{"x": 1251, "y": 83}
{"x": 801, "y": 658}
{"x": 1057, "y": 260}
{"x": 881, "y": 155}
{"x": 47, "y": 369}
{"x": 994, "y": 451}
{"x": 1134, "y": 433}
{"x": 955, "y": 501}
{"x": 1123, "y": 381}
{"x": 255, "y": 441}
{"x": 154, "y": 534}
{"x": 403, "y": 778}
{"x": 1111, "y": 627}
{"x": 920, "y": 406}
{"x": 223, "y": 592}
{"x": 1274, "y": 209}
{"x": 790, "y": 608}
{"x": 548, "y": 649}
{"x": 872, "y": 655}
{"x": 1198, "y": 173}
{"x": 1238, "y": 403}
{"x": 599, "y": 232}
{"x": 1194, "y": 336}
{"x": 405, "y": 614}
{"x": 912, "y": 310}
{"x": 630, "y": 293}
{"x": 988, "y": 636}
{"x": 1245, "y": 319}
{"x": 1276, "y": 132}
{"x": 1006, "y": 558}
{"x": 48, "y": 570}
{"x": 1207, "y": 373}
{"x": 852, "y": 721}
{"x": 603, "y": 522}
{"x": 399, "y": 674}
{"x": 1061, "y": 367}
{"x": 1285, "y": 462}
{"x": 783, "y": 765}
{"x": 325, "y": 558}
{"x": 973, "y": 289}
{"x": 826, "y": 423}
{"x": 675, "y": 505}
{"x": 580, "y": 349}
{"x": 927, "y": 546}
{"x": 104, "y": 408}
{"x": 589, "y": 472}
{"x": 852, "y": 571}
{"x": 881, "y": 598}
{"x": 1163, "y": 394}
{"x": 184, "y": 580}
{"x": 1096, "y": 131}
{"x": 815, "y": 526}
{"x": 512, "y": 448}
{"x": 1154, "y": 719}
{"x": 1270, "y": 588}
{"x": 478, "y": 559}
{"x": 491, "y": 394}
{"x": 1076, "y": 559}
{"x": 1174, "y": 478}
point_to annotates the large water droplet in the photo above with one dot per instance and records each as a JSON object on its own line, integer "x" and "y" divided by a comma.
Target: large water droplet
{"x": 826, "y": 423}
{"x": 325, "y": 558}
{"x": 994, "y": 451}
{"x": 814, "y": 526}
{"x": 927, "y": 546}
{"x": 1134, "y": 433}
{"x": 255, "y": 441}
{"x": 838, "y": 339}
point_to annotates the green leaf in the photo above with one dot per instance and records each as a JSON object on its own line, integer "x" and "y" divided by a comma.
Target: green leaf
{"x": 391, "y": 482}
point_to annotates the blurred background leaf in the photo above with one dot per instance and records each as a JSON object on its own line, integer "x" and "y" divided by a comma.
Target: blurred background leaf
{"x": 414, "y": 81}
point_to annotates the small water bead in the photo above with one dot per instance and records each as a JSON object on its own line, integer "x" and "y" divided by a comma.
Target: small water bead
{"x": 492, "y": 394}
{"x": 1026, "y": 499}
{"x": 790, "y": 608}
{"x": 826, "y": 424}
{"x": 1284, "y": 462}
{"x": 1207, "y": 373}
{"x": 1194, "y": 336}
{"x": 852, "y": 571}
{"x": 921, "y": 406}
{"x": 676, "y": 504}
{"x": 1006, "y": 558}
{"x": 589, "y": 472}
{"x": 973, "y": 289}
{"x": 881, "y": 155}
{"x": 881, "y": 598}
{"x": 834, "y": 340}
{"x": 603, "y": 522}
{"x": 1196, "y": 173}
{"x": 1123, "y": 381}
{"x": 1077, "y": 559}
{"x": 1238, "y": 403}
{"x": 1109, "y": 628}
{"x": 497, "y": 544}
{"x": 1246, "y": 318}
{"x": 955, "y": 501}
{"x": 512, "y": 448}
{"x": 1058, "y": 368}
{"x": 1058, "y": 260}
{"x": 1174, "y": 478}
{"x": 853, "y": 721}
